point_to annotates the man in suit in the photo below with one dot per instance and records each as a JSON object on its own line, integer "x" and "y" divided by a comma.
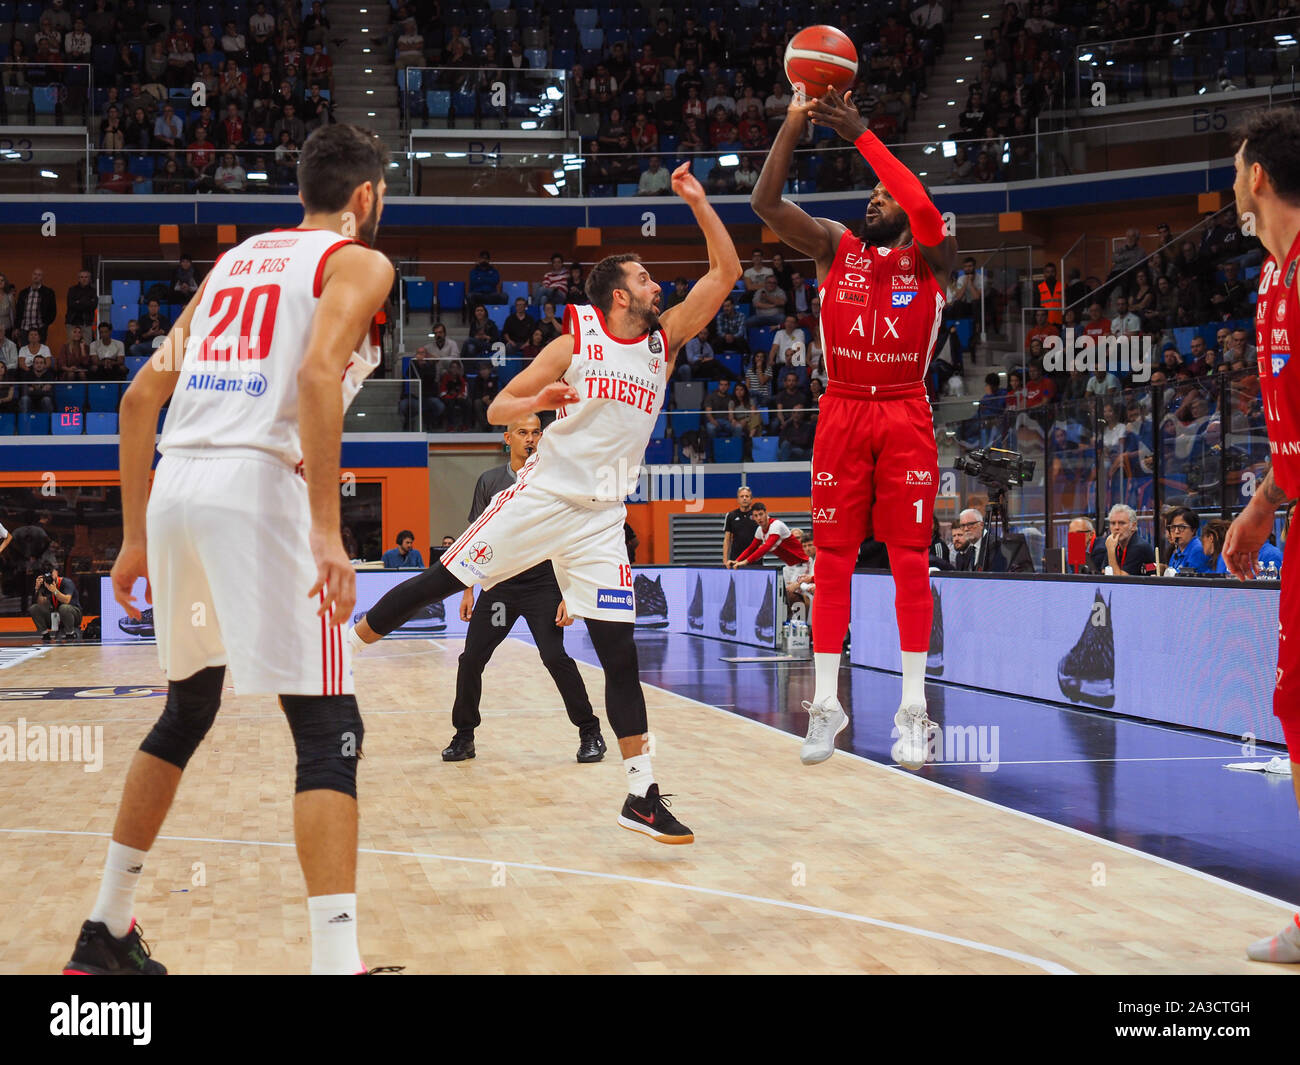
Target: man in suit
{"x": 1123, "y": 551}
{"x": 37, "y": 307}
{"x": 978, "y": 551}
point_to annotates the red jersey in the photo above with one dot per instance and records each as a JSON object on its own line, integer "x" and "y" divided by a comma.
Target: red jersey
{"x": 1277, "y": 335}
{"x": 778, "y": 539}
{"x": 880, "y": 314}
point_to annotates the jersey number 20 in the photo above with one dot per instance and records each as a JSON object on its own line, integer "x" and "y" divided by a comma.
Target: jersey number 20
{"x": 247, "y": 344}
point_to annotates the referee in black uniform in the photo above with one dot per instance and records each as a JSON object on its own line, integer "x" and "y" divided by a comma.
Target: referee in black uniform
{"x": 534, "y": 595}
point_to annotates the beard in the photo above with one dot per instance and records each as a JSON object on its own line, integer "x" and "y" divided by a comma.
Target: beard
{"x": 646, "y": 314}
{"x": 369, "y": 229}
{"x": 883, "y": 231}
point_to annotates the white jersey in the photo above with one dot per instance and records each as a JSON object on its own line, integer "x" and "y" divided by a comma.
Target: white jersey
{"x": 593, "y": 450}
{"x": 238, "y": 388}
{"x": 776, "y": 527}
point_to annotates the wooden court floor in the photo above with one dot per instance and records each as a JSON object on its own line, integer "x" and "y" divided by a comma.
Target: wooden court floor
{"x": 514, "y": 862}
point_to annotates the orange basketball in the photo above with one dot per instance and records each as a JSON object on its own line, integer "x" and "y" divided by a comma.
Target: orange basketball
{"x": 821, "y": 58}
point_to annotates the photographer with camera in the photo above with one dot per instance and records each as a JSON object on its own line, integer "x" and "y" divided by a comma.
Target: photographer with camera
{"x": 56, "y": 593}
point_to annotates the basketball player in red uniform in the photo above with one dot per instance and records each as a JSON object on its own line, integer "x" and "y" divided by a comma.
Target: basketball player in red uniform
{"x": 875, "y": 463}
{"x": 772, "y": 535}
{"x": 1267, "y": 188}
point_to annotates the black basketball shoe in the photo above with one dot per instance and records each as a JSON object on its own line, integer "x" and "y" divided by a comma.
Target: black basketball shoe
{"x": 591, "y": 745}
{"x": 1087, "y": 673}
{"x": 651, "y": 606}
{"x": 142, "y": 627}
{"x": 432, "y": 617}
{"x": 650, "y": 816}
{"x": 934, "y": 658}
{"x": 765, "y": 622}
{"x": 99, "y": 953}
{"x": 695, "y": 612}
{"x": 727, "y": 615}
{"x": 460, "y": 748}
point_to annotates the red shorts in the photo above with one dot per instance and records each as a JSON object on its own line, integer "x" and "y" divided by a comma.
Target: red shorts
{"x": 1286, "y": 695}
{"x": 875, "y": 469}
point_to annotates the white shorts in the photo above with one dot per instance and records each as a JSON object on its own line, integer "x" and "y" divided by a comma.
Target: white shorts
{"x": 524, "y": 525}
{"x": 230, "y": 567}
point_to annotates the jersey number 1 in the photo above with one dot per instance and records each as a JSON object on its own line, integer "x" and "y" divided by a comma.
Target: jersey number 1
{"x": 219, "y": 345}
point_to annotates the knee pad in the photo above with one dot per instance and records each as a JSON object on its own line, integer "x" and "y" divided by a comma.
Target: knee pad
{"x": 191, "y": 708}
{"x": 327, "y": 734}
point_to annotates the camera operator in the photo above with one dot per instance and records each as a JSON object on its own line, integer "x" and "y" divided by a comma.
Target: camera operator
{"x": 54, "y": 592}
{"x": 1124, "y": 550}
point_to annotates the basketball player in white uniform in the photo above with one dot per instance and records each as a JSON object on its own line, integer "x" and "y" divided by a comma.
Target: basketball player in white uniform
{"x": 240, "y": 539}
{"x": 606, "y": 376}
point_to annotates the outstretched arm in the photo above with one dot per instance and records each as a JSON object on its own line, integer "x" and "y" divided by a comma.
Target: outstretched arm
{"x": 816, "y": 237}
{"x": 537, "y": 387}
{"x": 705, "y": 299}
{"x": 837, "y": 111}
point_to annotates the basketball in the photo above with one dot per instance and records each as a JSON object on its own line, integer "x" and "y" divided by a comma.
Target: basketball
{"x": 821, "y": 58}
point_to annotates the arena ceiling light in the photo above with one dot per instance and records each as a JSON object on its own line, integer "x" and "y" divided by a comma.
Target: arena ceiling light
{"x": 48, "y": 174}
{"x": 1086, "y": 57}
{"x": 949, "y": 149}
{"x": 729, "y": 160}
{"x": 1284, "y": 38}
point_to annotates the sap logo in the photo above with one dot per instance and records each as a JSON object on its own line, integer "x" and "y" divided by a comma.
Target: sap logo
{"x": 614, "y": 598}
{"x": 922, "y": 477}
{"x": 845, "y": 296}
{"x": 901, "y": 299}
{"x": 824, "y": 514}
{"x": 1280, "y": 359}
{"x": 904, "y": 281}
{"x": 1279, "y": 338}
{"x": 857, "y": 262}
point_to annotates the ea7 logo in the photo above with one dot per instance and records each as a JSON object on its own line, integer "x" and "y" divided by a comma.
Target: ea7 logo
{"x": 826, "y": 514}
{"x": 857, "y": 262}
{"x": 924, "y": 477}
{"x": 901, "y": 299}
{"x": 845, "y": 296}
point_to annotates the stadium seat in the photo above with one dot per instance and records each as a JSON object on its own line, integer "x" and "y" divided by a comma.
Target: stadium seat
{"x": 685, "y": 422}
{"x": 661, "y": 426}
{"x": 134, "y": 364}
{"x": 8, "y": 424}
{"x": 33, "y": 425}
{"x": 126, "y": 292}
{"x": 658, "y": 452}
{"x": 688, "y": 395}
{"x": 451, "y": 296}
{"x": 764, "y": 448}
{"x": 760, "y": 339}
{"x": 102, "y": 397}
{"x": 592, "y": 40}
{"x": 71, "y": 394}
{"x": 437, "y": 103}
{"x": 731, "y": 360}
{"x": 514, "y": 290}
{"x": 536, "y": 58}
{"x": 627, "y": 189}
{"x": 498, "y": 312}
{"x": 419, "y": 296}
{"x": 586, "y": 18}
{"x": 728, "y": 449}
{"x": 66, "y": 423}
{"x": 1183, "y": 338}
{"x": 120, "y": 316}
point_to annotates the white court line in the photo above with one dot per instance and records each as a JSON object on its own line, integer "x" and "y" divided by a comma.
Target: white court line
{"x": 1054, "y": 968}
{"x": 916, "y": 778}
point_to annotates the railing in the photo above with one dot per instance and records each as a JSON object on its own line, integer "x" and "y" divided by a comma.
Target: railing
{"x": 491, "y": 99}
{"x": 1245, "y": 55}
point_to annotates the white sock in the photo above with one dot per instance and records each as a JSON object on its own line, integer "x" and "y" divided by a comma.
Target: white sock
{"x": 913, "y": 677}
{"x": 355, "y": 641}
{"x": 334, "y": 950}
{"x": 639, "y": 774}
{"x": 116, "y": 901}
{"x": 827, "y": 665}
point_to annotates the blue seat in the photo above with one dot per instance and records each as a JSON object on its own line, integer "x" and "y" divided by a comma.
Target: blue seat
{"x": 764, "y": 448}
{"x": 451, "y": 296}
{"x": 592, "y": 39}
{"x": 626, "y": 188}
{"x": 507, "y": 371}
{"x": 702, "y": 165}
{"x": 965, "y": 330}
{"x": 586, "y": 18}
{"x": 33, "y": 425}
{"x": 126, "y": 291}
{"x": 102, "y": 397}
{"x": 134, "y": 363}
{"x": 658, "y": 452}
{"x": 419, "y": 296}
{"x": 728, "y": 449}
{"x": 661, "y": 426}
{"x": 514, "y": 290}
{"x": 438, "y": 103}
{"x": 464, "y": 104}
{"x": 499, "y": 312}
{"x": 120, "y": 316}
{"x": 1183, "y": 338}
{"x": 8, "y": 423}
{"x": 411, "y": 79}
{"x": 45, "y": 99}
{"x": 684, "y": 422}
{"x": 536, "y": 58}
{"x": 562, "y": 58}
{"x": 67, "y": 423}
{"x": 731, "y": 360}
{"x": 101, "y": 423}
{"x": 760, "y": 339}
{"x": 70, "y": 395}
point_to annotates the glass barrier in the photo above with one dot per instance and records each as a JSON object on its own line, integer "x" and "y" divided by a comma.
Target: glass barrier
{"x": 1215, "y": 59}
{"x": 491, "y": 99}
{"x": 46, "y": 94}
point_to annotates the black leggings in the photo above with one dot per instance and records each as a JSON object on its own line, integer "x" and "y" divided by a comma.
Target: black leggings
{"x": 399, "y": 604}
